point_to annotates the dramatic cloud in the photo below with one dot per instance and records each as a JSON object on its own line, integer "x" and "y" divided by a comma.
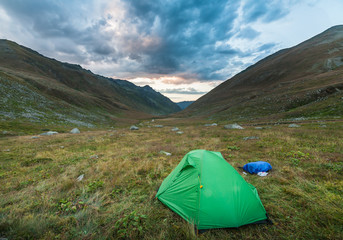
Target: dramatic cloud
{"x": 164, "y": 42}
{"x": 182, "y": 91}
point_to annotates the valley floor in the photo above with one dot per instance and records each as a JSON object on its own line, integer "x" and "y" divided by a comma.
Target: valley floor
{"x": 41, "y": 198}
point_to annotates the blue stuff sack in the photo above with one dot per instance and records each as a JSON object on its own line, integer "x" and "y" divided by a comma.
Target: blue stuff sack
{"x": 255, "y": 167}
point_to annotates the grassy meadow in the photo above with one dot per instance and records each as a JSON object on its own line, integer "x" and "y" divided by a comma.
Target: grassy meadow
{"x": 41, "y": 198}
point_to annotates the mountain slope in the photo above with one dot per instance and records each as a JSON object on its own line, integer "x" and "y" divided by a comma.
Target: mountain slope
{"x": 184, "y": 104}
{"x": 305, "y": 80}
{"x": 36, "y": 86}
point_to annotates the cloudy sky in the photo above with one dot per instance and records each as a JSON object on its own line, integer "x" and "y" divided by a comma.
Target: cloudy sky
{"x": 182, "y": 48}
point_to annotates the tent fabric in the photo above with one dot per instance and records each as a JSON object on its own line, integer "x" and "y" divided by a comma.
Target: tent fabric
{"x": 256, "y": 167}
{"x": 208, "y": 192}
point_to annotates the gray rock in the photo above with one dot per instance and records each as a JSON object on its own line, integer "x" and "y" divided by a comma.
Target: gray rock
{"x": 179, "y": 132}
{"x": 293, "y": 125}
{"x": 4, "y": 132}
{"x": 251, "y": 138}
{"x": 79, "y": 179}
{"x": 233, "y": 126}
{"x": 35, "y": 137}
{"x": 158, "y": 126}
{"x": 94, "y": 157}
{"x": 211, "y": 125}
{"x": 323, "y": 126}
{"x": 299, "y": 119}
{"x": 75, "y": 131}
{"x": 48, "y": 133}
{"x": 175, "y": 129}
{"x": 62, "y": 147}
{"x": 133, "y": 127}
{"x": 166, "y": 153}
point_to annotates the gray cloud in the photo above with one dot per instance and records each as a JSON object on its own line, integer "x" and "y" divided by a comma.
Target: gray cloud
{"x": 182, "y": 91}
{"x": 266, "y": 11}
{"x": 144, "y": 37}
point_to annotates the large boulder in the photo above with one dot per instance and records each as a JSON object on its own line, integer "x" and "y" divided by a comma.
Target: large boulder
{"x": 75, "y": 131}
{"x": 133, "y": 127}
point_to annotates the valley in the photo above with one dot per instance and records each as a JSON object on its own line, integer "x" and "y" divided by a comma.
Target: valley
{"x": 42, "y": 198}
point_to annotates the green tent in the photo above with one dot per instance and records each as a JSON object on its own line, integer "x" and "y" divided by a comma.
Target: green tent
{"x": 208, "y": 192}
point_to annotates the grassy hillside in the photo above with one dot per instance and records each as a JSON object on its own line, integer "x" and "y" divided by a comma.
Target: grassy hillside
{"x": 302, "y": 81}
{"x": 37, "y": 88}
{"x": 40, "y": 197}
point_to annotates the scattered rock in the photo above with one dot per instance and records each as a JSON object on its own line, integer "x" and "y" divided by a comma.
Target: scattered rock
{"x": 35, "y": 137}
{"x": 61, "y": 147}
{"x": 79, "y": 179}
{"x": 299, "y": 119}
{"x": 133, "y": 127}
{"x": 153, "y": 120}
{"x": 175, "y": 129}
{"x": 293, "y": 125}
{"x": 94, "y": 157}
{"x": 7, "y": 150}
{"x": 75, "y": 131}
{"x": 211, "y": 125}
{"x": 4, "y": 132}
{"x": 166, "y": 153}
{"x": 233, "y": 126}
{"x": 179, "y": 132}
{"x": 250, "y": 138}
{"x": 158, "y": 126}
{"x": 48, "y": 133}
{"x": 323, "y": 126}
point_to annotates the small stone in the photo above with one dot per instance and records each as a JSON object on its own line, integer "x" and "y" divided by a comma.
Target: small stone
{"x": 94, "y": 157}
{"x": 7, "y": 150}
{"x": 323, "y": 126}
{"x": 210, "y": 125}
{"x": 48, "y": 133}
{"x": 79, "y": 179}
{"x": 179, "y": 132}
{"x": 175, "y": 129}
{"x": 133, "y": 127}
{"x": 158, "y": 126}
{"x": 35, "y": 137}
{"x": 4, "y": 132}
{"x": 251, "y": 138}
{"x": 166, "y": 153}
{"x": 233, "y": 126}
{"x": 62, "y": 147}
{"x": 75, "y": 131}
{"x": 293, "y": 125}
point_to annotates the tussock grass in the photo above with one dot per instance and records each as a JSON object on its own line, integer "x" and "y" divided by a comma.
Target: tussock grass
{"x": 41, "y": 199}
